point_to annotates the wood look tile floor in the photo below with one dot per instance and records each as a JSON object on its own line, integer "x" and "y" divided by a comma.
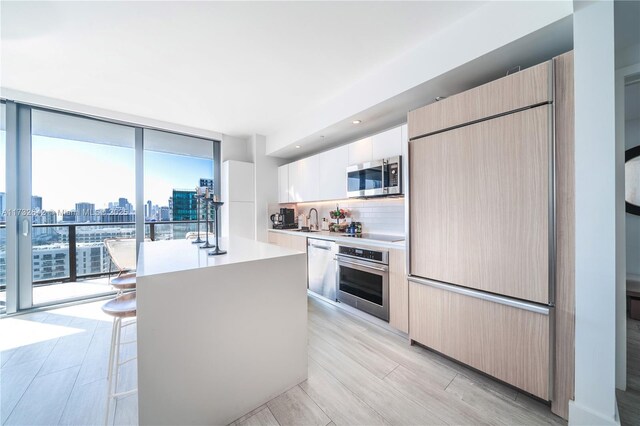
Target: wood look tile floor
{"x": 54, "y": 367}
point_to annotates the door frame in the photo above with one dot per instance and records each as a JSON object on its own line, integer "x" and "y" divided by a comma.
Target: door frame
{"x": 621, "y": 260}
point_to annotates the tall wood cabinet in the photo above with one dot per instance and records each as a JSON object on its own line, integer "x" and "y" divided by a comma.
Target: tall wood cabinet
{"x": 398, "y": 291}
{"x": 490, "y": 208}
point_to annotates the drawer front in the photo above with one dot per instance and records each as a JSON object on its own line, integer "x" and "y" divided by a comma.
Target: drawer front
{"x": 505, "y": 342}
{"x": 531, "y": 86}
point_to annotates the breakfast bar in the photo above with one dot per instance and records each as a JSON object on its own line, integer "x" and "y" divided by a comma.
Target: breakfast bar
{"x": 218, "y": 336}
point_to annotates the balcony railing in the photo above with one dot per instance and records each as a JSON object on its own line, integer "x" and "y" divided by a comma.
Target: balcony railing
{"x": 64, "y": 252}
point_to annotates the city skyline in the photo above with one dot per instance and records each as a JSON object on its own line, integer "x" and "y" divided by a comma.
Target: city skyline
{"x": 66, "y": 172}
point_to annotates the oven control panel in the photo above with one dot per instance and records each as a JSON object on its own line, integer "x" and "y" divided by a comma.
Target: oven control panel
{"x": 360, "y": 253}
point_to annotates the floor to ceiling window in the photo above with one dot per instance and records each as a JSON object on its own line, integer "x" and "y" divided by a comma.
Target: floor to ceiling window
{"x": 83, "y": 192}
{"x": 3, "y": 207}
{"x": 79, "y": 181}
{"x": 173, "y": 167}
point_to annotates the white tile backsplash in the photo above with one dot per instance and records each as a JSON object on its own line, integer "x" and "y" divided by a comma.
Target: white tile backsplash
{"x": 380, "y": 216}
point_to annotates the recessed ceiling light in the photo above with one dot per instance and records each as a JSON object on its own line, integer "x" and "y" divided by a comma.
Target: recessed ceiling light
{"x": 297, "y": 146}
{"x": 357, "y": 121}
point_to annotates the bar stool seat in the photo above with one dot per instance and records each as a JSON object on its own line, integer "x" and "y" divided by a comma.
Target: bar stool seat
{"x": 124, "y": 281}
{"x": 120, "y": 308}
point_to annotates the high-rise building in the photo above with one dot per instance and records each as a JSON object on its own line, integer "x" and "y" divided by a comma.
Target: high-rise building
{"x": 114, "y": 215}
{"x": 3, "y": 206}
{"x": 85, "y": 212}
{"x": 149, "y": 212}
{"x": 164, "y": 213}
{"x": 36, "y": 202}
{"x": 123, "y": 203}
{"x": 184, "y": 205}
{"x": 50, "y": 217}
{"x": 69, "y": 216}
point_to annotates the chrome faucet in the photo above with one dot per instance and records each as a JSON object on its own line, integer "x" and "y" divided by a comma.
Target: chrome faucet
{"x": 317, "y": 227}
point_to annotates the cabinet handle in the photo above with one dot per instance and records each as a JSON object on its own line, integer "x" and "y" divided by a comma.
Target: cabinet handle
{"x": 528, "y": 306}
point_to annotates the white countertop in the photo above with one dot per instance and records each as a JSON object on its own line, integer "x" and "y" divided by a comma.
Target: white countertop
{"x": 341, "y": 238}
{"x": 161, "y": 257}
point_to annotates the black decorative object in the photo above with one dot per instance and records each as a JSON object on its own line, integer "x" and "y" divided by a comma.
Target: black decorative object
{"x": 632, "y": 158}
{"x": 198, "y": 240}
{"x": 216, "y": 251}
{"x": 207, "y": 200}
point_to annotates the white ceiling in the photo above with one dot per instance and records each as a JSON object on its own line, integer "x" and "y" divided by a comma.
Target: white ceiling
{"x": 234, "y": 67}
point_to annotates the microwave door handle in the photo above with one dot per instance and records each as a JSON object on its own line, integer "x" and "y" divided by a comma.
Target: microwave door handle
{"x": 385, "y": 189}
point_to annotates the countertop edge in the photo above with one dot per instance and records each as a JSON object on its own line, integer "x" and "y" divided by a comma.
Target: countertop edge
{"x": 324, "y": 235}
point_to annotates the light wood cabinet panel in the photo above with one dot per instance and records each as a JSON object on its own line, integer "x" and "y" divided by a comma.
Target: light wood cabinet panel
{"x": 508, "y": 343}
{"x": 387, "y": 144}
{"x": 332, "y": 173}
{"x": 398, "y": 291}
{"x": 283, "y": 184}
{"x": 360, "y": 151}
{"x": 565, "y": 236}
{"x": 479, "y": 205}
{"x": 273, "y": 238}
{"x": 297, "y": 243}
{"x": 293, "y": 242}
{"x": 522, "y": 89}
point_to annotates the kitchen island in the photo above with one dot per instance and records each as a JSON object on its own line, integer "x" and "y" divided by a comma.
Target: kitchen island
{"x": 218, "y": 336}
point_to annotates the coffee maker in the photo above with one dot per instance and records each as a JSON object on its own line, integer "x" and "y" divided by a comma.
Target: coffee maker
{"x": 284, "y": 220}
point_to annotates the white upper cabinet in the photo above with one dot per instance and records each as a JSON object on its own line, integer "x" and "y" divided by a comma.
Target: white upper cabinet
{"x": 283, "y": 184}
{"x": 332, "y": 176}
{"x": 387, "y": 144}
{"x": 323, "y": 176}
{"x": 304, "y": 184}
{"x": 360, "y": 151}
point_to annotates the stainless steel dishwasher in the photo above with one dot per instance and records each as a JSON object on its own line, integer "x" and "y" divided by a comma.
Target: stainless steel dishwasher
{"x": 322, "y": 267}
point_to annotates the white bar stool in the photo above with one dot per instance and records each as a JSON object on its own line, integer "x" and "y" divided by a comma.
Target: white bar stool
{"x": 120, "y": 308}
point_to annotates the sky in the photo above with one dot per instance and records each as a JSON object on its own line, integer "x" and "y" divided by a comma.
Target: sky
{"x": 66, "y": 172}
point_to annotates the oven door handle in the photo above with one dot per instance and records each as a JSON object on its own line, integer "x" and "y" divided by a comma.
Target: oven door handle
{"x": 377, "y": 268}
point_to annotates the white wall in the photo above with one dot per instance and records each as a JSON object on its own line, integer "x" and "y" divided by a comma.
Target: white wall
{"x": 632, "y": 139}
{"x": 266, "y": 187}
{"x": 595, "y": 163}
{"x": 233, "y": 148}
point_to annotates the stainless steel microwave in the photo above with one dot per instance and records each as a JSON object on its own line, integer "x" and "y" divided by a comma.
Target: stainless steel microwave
{"x": 375, "y": 178}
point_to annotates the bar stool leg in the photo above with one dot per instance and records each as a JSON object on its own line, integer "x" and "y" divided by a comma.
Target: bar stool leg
{"x": 113, "y": 357}
{"x": 111, "y": 350}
